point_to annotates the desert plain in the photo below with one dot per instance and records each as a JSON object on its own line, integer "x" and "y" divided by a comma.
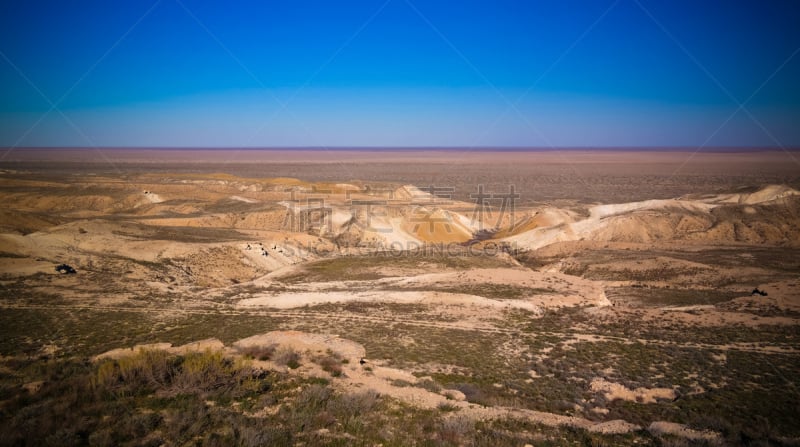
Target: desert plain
{"x": 399, "y": 297}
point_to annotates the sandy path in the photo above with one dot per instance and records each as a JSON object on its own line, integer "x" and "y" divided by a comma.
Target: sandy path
{"x": 546, "y": 290}
{"x": 293, "y": 300}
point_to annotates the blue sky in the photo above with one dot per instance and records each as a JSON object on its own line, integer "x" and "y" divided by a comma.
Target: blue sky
{"x": 400, "y": 73}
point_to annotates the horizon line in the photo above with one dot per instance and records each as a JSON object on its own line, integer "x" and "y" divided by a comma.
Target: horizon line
{"x": 498, "y": 148}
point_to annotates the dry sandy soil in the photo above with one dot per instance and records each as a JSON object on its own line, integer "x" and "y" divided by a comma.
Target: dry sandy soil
{"x": 613, "y": 296}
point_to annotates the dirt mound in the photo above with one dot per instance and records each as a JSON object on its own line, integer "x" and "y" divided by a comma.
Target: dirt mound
{"x": 783, "y": 296}
{"x": 198, "y": 346}
{"x": 670, "y": 428}
{"x": 617, "y": 426}
{"x": 614, "y": 391}
{"x": 303, "y": 342}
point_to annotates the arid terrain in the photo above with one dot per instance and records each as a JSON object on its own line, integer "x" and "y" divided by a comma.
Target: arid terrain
{"x": 399, "y": 298}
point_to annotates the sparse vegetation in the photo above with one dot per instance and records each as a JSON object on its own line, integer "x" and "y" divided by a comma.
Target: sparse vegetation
{"x": 258, "y": 352}
{"x": 673, "y": 296}
{"x": 287, "y": 356}
{"x": 331, "y": 362}
{"x": 488, "y": 290}
{"x": 360, "y": 268}
{"x": 539, "y": 349}
{"x": 155, "y": 398}
{"x": 447, "y": 407}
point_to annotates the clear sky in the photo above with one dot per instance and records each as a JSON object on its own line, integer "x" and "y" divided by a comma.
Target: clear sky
{"x": 400, "y": 73}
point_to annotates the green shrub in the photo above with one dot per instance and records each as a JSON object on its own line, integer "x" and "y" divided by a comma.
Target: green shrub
{"x": 331, "y": 365}
{"x": 447, "y": 407}
{"x": 288, "y": 357}
{"x": 257, "y": 352}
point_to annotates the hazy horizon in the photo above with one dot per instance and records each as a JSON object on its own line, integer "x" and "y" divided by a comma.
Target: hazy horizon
{"x": 496, "y": 148}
